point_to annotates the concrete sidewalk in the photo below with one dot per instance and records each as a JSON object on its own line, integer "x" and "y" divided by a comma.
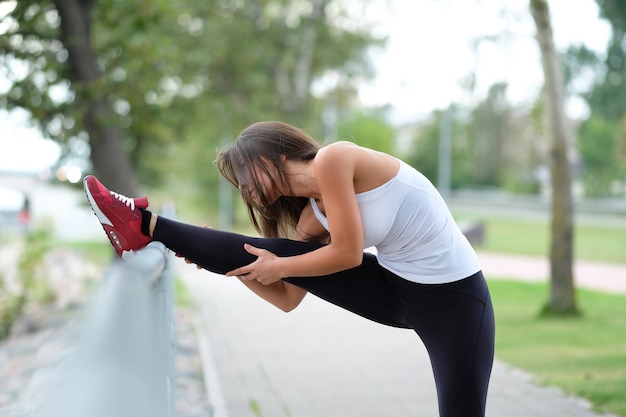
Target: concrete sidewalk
{"x": 321, "y": 361}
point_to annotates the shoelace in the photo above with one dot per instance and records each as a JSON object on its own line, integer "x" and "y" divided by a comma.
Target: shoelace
{"x": 126, "y": 200}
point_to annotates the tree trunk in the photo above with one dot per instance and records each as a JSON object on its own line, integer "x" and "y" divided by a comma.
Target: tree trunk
{"x": 110, "y": 161}
{"x": 562, "y": 292}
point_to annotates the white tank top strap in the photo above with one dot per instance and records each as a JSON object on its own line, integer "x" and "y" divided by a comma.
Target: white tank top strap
{"x": 318, "y": 213}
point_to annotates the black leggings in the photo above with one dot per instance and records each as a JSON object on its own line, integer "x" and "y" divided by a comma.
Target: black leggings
{"x": 454, "y": 320}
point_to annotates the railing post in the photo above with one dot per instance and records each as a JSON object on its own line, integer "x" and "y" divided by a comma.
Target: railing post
{"x": 164, "y": 315}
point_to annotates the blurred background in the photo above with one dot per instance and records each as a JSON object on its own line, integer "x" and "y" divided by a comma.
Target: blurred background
{"x": 144, "y": 93}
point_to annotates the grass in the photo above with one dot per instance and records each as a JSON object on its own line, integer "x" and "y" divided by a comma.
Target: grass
{"x": 99, "y": 251}
{"x": 584, "y": 355}
{"x": 603, "y": 244}
{"x": 532, "y": 237}
{"x": 181, "y": 294}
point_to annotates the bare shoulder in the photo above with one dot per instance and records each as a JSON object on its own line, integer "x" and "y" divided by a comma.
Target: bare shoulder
{"x": 338, "y": 153}
{"x": 335, "y": 165}
{"x": 368, "y": 168}
{"x": 338, "y": 148}
{"x": 344, "y": 151}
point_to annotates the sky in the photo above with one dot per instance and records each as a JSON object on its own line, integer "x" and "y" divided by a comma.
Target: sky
{"x": 428, "y": 57}
{"x": 430, "y": 51}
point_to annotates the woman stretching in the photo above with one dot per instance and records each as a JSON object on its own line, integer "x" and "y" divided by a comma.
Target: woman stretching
{"x": 317, "y": 208}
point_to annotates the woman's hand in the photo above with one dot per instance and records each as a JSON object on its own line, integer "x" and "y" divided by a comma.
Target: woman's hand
{"x": 266, "y": 269}
{"x": 187, "y": 261}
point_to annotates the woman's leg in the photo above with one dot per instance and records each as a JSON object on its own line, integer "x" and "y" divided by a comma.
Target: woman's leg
{"x": 130, "y": 227}
{"x": 219, "y": 251}
{"x": 363, "y": 290}
{"x": 456, "y": 323}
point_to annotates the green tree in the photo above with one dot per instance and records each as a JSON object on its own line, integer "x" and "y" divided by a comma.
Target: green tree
{"x": 598, "y": 143}
{"x": 424, "y": 154}
{"x": 501, "y": 148}
{"x": 81, "y": 86}
{"x": 490, "y": 130}
{"x": 262, "y": 58}
{"x": 490, "y": 147}
{"x": 369, "y": 130}
{"x": 425, "y": 147}
{"x": 134, "y": 79}
{"x": 602, "y": 138}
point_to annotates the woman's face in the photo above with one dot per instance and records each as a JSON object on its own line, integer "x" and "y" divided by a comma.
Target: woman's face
{"x": 267, "y": 178}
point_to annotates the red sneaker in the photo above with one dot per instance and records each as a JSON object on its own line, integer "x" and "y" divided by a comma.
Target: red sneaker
{"x": 119, "y": 215}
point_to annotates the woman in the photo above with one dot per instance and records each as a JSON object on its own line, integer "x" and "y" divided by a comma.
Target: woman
{"x": 332, "y": 202}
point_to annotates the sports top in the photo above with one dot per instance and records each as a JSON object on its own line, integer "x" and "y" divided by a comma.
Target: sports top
{"x": 412, "y": 229}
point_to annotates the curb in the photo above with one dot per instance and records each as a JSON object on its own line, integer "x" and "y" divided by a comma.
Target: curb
{"x": 212, "y": 384}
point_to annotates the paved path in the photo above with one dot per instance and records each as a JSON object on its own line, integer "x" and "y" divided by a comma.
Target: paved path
{"x": 320, "y": 360}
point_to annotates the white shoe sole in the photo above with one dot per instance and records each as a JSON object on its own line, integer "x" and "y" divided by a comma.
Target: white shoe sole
{"x": 94, "y": 207}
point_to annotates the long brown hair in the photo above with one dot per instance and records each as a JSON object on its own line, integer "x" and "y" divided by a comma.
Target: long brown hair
{"x": 262, "y": 145}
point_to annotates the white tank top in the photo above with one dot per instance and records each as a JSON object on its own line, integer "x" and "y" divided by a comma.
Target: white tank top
{"x": 415, "y": 236}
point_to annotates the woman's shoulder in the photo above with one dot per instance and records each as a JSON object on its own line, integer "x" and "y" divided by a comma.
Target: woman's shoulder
{"x": 338, "y": 156}
{"x": 339, "y": 150}
{"x": 339, "y": 146}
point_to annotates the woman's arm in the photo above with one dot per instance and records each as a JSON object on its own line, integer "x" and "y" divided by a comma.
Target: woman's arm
{"x": 281, "y": 294}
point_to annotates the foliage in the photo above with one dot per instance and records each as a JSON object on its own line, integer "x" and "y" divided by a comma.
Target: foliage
{"x": 369, "y": 130}
{"x": 100, "y": 252}
{"x": 494, "y": 145}
{"x": 599, "y": 143}
{"x": 603, "y": 134}
{"x": 180, "y": 76}
{"x": 32, "y": 286}
{"x": 181, "y": 294}
{"x": 490, "y": 129}
{"x": 32, "y": 58}
{"x": 425, "y": 147}
{"x": 10, "y": 308}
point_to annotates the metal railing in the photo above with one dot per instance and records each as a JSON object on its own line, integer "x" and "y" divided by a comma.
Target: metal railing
{"x": 124, "y": 361}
